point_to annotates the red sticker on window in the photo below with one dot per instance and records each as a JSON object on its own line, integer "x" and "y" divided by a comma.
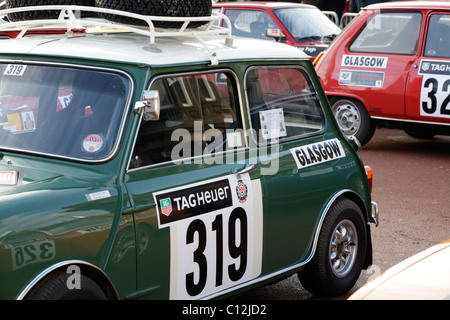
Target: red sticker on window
{"x": 92, "y": 143}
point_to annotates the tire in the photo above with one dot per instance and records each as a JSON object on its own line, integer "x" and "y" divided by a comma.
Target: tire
{"x": 55, "y": 288}
{"x": 46, "y": 14}
{"x": 169, "y": 8}
{"x": 340, "y": 252}
{"x": 353, "y": 118}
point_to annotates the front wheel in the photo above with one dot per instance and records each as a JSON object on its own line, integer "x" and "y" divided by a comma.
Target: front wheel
{"x": 352, "y": 118}
{"x": 340, "y": 252}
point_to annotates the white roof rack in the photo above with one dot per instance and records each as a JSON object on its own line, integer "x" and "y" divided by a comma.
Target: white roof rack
{"x": 69, "y": 18}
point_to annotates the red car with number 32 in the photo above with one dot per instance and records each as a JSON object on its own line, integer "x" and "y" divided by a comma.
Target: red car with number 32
{"x": 391, "y": 68}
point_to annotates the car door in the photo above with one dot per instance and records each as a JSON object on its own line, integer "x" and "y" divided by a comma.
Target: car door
{"x": 428, "y": 90}
{"x": 197, "y": 205}
{"x": 378, "y": 61}
{"x": 297, "y": 159}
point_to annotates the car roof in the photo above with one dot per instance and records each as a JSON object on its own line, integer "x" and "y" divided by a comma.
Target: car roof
{"x": 259, "y": 4}
{"x": 410, "y": 5}
{"x": 136, "y": 49}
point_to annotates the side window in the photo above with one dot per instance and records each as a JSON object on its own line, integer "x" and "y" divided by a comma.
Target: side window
{"x": 438, "y": 36}
{"x": 392, "y": 32}
{"x": 250, "y": 23}
{"x": 198, "y": 116}
{"x": 283, "y": 104}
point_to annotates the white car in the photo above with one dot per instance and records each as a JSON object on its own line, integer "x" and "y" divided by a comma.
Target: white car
{"x": 424, "y": 276}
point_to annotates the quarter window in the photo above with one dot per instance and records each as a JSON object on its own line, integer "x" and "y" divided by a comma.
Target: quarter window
{"x": 438, "y": 37}
{"x": 283, "y": 104}
{"x": 391, "y": 32}
{"x": 198, "y": 117}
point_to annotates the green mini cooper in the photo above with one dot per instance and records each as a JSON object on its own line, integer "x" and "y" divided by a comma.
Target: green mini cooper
{"x": 148, "y": 159}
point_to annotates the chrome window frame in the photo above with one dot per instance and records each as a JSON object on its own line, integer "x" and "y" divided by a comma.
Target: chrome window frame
{"x": 193, "y": 158}
{"x": 292, "y": 138}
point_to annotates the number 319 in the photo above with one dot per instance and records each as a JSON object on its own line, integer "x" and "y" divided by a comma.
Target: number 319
{"x": 235, "y": 250}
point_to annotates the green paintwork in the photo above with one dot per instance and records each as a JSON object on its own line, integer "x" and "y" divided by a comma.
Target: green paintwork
{"x": 48, "y": 221}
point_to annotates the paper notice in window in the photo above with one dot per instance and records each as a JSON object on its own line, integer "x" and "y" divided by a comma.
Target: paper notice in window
{"x": 272, "y": 124}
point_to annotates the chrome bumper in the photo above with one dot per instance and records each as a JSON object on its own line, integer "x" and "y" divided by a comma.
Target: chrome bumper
{"x": 375, "y": 213}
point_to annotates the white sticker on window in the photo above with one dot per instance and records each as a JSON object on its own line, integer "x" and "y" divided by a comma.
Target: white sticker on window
{"x": 14, "y": 70}
{"x": 92, "y": 143}
{"x": 28, "y": 121}
{"x": 272, "y": 124}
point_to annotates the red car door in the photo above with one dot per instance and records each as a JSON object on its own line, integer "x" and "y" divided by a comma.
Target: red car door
{"x": 427, "y": 95}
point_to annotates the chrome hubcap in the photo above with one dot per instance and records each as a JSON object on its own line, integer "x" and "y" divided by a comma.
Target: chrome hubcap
{"x": 343, "y": 248}
{"x": 348, "y": 117}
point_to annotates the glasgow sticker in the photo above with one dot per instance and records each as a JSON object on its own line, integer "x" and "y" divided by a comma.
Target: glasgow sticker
{"x": 364, "y": 61}
{"x": 316, "y": 153}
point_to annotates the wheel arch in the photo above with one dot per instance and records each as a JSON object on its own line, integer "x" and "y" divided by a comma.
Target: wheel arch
{"x": 357, "y": 199}
{"x": 87, "y": 269}
{"x": 346, "y": 95}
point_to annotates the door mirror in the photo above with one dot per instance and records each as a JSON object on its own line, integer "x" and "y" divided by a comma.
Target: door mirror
{"x": 273, "y": 33}
{"x": 150, "y": 105}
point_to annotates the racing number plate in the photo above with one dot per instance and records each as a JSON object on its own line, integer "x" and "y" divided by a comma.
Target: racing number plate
{"x": 215, "y": 234}
{"x": 435, "y": 90}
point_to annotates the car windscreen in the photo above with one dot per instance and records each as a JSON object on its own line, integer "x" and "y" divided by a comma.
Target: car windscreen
{"x": 307, "y": 24}
{"x": 61, "y": 111}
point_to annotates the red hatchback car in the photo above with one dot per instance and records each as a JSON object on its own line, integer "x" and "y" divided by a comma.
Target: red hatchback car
{"x": 300, "y": 25}
{"x": 391, "y": 67}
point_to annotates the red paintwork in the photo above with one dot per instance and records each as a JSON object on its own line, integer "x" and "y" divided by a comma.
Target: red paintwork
{"x": 311, "y": 48}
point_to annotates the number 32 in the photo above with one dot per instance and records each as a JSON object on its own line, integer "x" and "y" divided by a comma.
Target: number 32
{"x": 430, "y": 106}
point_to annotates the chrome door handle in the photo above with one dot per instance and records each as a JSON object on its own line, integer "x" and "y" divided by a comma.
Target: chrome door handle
{"x": 246, "y": 169}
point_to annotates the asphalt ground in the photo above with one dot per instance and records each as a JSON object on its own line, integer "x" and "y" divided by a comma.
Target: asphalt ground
{"x": 412, "y": 188}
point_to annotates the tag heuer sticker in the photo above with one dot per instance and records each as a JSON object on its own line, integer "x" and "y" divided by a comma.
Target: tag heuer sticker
{"x": 166, "y": 206}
